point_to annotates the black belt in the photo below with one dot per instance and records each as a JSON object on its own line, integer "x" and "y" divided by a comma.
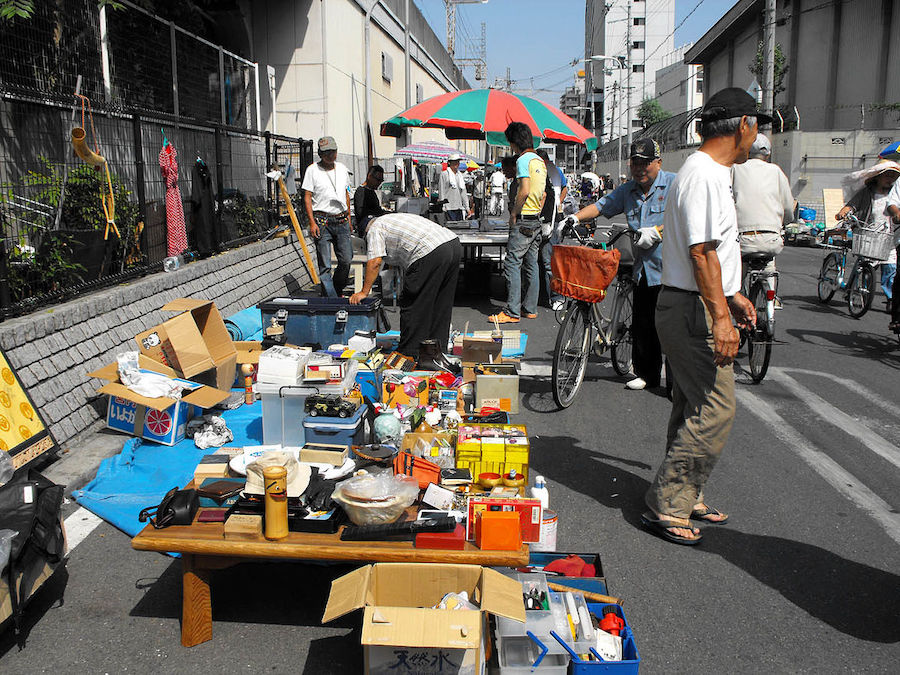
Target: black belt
{"x": 675, "y": 289}
{"x": 534, "y": 217}
{"x": 332, "y": 217}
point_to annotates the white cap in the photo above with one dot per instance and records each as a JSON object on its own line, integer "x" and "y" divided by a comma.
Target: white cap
{"x": 455, "y": 157}
{"x": 539, "y": 480}
{"x": 761, "y": 146}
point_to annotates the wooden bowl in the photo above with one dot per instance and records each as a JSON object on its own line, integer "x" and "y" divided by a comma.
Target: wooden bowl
{"x": 489, "y": 480}
{"x": 518, "y": 481}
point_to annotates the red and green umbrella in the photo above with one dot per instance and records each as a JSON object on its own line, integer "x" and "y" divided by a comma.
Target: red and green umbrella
{"x": 485, "y": 114}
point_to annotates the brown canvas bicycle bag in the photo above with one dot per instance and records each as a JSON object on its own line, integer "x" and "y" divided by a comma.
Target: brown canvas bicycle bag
{"x": 583, "y": 273}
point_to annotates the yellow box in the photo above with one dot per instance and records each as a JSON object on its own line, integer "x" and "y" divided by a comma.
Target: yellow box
{"x": 493, "y": 450}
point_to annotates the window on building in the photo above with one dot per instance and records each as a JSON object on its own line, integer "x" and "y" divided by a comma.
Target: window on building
{"x": 639, "y": 21}
{"x": 699, "y": 81}
{"x": 637, "y": 44}
{"x": 697, "y": 126}
{"x": 682, "y": 89}
{"x": 420, "y": 95}
{"x": 637, "y": 68}
{"x": 387, "y": 67}
{"x": 637, "y": 124}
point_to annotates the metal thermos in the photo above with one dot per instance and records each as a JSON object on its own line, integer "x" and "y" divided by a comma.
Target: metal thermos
{"x": 275, "y": 480}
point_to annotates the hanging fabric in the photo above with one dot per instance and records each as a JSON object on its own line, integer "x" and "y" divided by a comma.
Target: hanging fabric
{"x": 176, "y": 234}
{"x": 290, "y": 179}
{"x": 203, "y": 217}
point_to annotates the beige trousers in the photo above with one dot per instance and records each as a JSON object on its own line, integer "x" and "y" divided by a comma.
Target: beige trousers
{"x": 703, "y": 404}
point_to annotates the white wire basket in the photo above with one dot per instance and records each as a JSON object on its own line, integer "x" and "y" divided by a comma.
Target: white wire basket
{"x": 872, "y": 244}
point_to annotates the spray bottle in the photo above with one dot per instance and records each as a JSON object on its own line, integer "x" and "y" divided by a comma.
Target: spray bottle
{"x": 539, "y": 491}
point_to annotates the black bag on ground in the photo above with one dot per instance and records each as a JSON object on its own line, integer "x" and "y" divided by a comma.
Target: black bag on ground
{"x": 31, "y": 505}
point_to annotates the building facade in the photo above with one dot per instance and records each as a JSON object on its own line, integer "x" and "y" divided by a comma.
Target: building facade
{"x": 843, "y": 60}
{"x": 572, "y": 104}
{"x": 640, "y": 31}
{"x": 315, "y": 52}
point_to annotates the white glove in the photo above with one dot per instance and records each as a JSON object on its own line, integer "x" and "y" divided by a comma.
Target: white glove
{"x": 568, "y": 221}
{"x": 649, "y": 237}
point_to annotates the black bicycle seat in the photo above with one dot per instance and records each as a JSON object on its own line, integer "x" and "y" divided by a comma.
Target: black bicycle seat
{"x": 757, "y": 260}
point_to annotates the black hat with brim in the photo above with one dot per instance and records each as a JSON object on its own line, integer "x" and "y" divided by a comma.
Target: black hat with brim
{"x": 732, "y": 102}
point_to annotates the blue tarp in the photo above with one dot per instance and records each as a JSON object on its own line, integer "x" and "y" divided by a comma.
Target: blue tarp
{"x": 143, "y": 472}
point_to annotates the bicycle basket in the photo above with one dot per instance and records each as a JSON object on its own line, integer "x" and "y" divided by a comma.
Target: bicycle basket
{"x": 583, "y": 273}
{"x": 872, "y": 244}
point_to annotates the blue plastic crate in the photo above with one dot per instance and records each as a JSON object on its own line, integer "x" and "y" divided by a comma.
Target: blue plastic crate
{"x": 595, "y": 584}
{"x": 356, "y": 430}
{"x": 631, "y": 659}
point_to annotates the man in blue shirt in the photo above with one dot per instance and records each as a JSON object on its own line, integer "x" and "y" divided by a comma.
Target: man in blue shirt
{"x": 643, "y": 200}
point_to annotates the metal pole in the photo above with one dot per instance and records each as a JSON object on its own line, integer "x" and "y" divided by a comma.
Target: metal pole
{"x": 768, "y": 75}
{"x": 104, "y": 55}
{"x": 268, "y": 136}
{"x": 256, "y": 85}
{"x": 174, "y": 68}
{"x": 628, "y": 76}
{"x": 220, "y": 171}
{"x": 138, "y": 140}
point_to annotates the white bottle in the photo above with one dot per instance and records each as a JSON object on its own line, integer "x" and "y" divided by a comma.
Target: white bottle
{"x": 539, "y": 491}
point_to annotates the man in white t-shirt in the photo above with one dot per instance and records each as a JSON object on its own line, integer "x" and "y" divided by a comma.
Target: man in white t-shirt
{"x": 326, "y": 196}
{"x": 497, "y": 183}
{"x": 701, "y": 277}
{"x": 452, "y": 190}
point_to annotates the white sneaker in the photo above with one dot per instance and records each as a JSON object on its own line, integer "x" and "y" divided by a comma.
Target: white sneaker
{"x": 557, "y": 305}
{"x": 636, "y": 384}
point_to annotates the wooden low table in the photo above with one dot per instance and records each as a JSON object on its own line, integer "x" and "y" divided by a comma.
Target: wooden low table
{"x": 204, "y": 549}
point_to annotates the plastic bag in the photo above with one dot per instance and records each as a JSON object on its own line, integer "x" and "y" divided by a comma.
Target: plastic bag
{"x": 7, "y": 468}
{"x": 151, "y": 385}
{"x": 209, "y": 431}
{"x": 6, "y": 539}
{"x": 455, "y": 601}
{"x": 376, "y": 499}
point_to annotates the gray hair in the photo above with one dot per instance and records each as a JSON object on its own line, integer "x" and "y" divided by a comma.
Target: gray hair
{"x": 725, "y": 127}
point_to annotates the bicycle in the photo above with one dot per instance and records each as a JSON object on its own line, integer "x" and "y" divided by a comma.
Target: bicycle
{"x": 870, "y": 247}
{"x": 761, "y": 293}
{"x": 581, "y": 320}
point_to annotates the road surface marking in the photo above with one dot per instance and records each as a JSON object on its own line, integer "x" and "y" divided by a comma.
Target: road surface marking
{"x": 79, "y": 525}
{"x": 888, "y": 406}
{"x": 841, "y": 480}
{"x": 545, "y": 368}
{"x": 837, "y": 417}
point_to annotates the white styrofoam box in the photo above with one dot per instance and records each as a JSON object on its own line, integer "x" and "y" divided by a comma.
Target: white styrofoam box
{"x": 282, "y": 365}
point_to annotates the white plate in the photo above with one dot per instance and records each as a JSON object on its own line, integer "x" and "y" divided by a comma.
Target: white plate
{"x": 239, "y": 463}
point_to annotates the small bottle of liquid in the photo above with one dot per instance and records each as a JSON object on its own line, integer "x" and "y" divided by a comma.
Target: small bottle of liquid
{"x": 275, "y": 481}
{"x": 539, "y": 491}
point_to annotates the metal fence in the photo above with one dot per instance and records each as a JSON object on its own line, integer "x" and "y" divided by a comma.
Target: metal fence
{"x": 127, "y": 58}
{"x": 55, "y": 243}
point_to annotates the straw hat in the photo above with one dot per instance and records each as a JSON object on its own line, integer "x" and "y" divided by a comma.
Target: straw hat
{"x": 852, "y": 182}
{"x": 297, "y": 474}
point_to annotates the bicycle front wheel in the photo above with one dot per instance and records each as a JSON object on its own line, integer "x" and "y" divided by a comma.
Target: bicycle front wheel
{"x": 828, "y": 277}
{"x": 759, "y": 343}
{"x": 570, "y": 355}
{"x": 861, "y": 293}
{"x": 620, "y": 330}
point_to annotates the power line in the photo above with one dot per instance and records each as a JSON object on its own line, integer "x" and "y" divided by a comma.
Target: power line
{"x": 672, "y": 34}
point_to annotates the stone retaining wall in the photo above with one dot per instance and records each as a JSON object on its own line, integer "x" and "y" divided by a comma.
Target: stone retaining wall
{"x": 53, "y": 349}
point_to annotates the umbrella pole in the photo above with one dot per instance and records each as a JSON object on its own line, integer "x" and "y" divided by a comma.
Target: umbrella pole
{"x": 313, "y": 274}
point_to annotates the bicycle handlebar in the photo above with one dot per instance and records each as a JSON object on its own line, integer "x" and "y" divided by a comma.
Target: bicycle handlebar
{"x": 585, "y": 241}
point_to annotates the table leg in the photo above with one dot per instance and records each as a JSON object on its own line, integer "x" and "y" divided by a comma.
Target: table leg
{"x": 196, "y": 607}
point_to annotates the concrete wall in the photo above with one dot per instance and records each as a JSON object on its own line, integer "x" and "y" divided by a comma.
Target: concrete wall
{"x": 53, "y": 350}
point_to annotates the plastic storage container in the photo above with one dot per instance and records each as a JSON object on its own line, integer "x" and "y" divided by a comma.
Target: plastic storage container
{"x": 631, "y": 659}
{"x": 323, "y": 321}
{"x": 356, "y": 430}
{"x": 283, "y": 412}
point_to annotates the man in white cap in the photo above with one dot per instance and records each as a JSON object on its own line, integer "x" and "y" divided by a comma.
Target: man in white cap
{"x": 326, "y": 197}
{"x": 763, "y": 200}
{"x": 452, "y": 190}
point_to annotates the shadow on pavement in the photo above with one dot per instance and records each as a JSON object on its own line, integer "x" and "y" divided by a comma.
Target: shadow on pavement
{"x": 50, "y": 595}
{"x": 883, "y": 347}
{"x": 853, "y": 598}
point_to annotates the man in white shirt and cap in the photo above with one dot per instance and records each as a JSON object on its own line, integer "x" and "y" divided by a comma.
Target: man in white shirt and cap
{"x": 452, "y": 190}
{"x": 701, "y": 282}
{"x": 326, "y": 186}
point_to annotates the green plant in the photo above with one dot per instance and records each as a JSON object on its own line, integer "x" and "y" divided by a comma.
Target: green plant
{"x": 23, "y": 9}
{"x": 651, "y": 112}
{"x": 248, "y": 219}
{"x": 781, "y": 69}
{"x": 52, "y": 269}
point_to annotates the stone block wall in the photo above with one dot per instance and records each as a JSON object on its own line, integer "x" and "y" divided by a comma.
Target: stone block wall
{"x": 53, "y": 350}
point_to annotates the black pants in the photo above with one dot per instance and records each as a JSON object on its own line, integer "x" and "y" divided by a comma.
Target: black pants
{"x": 426, "y": 301}
{"x": 646, "y": 354}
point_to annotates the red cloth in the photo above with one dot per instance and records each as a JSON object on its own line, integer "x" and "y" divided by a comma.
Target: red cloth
{"x": 571, "y": 566}
{"x": 176, "y": 234}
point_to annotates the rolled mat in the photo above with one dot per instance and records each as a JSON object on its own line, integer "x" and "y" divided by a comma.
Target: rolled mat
{"x": 245, "y": 325}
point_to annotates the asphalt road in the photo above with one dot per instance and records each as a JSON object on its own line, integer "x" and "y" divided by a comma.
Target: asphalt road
{"x": 804, "y": 578}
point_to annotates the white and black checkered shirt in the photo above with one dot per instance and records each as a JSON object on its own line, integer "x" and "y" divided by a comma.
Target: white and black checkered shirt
{"x": 403, "y": 238}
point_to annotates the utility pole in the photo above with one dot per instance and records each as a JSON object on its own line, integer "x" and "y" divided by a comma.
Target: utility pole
{"x": 768, "y": 74}
{"x": 628, "y": 86}
{"x": 613, "y": 117}
{"x": 451, "y": 27}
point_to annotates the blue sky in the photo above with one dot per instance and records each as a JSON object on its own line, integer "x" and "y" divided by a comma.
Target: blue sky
{"x": 538, "y": 38}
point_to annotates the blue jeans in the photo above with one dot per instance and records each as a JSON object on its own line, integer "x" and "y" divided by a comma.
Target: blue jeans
{"x": 888, "y": 270}
{"x": 546, "y": 270}
{"x": 522, "y": 257}
{"x": 454, "y": 214}
{"x": 339, "y": 235}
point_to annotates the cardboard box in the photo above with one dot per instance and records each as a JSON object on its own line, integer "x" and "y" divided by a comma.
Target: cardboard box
{"x": 400, "y": 626}
{"x": 195, "y": 343}
{"x": 161, "y": 419}
{"x": 497, "y": 386}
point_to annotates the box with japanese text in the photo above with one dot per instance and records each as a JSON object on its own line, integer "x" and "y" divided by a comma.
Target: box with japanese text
{"x": 401, "y": 631}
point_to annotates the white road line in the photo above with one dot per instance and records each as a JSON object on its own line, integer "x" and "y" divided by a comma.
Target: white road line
{"x": 545, "y": 368}
{"x": 837, "y": 417}
{"x": 844, "y": 482}
{"x": 888, "y": 406}
{"x": 79, "y": 525}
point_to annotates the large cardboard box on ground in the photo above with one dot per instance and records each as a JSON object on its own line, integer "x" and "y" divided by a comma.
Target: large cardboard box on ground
{"x": 195, "y": 343}
{"x": 400, "y": 631}
{"x": 159, "y": 419}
